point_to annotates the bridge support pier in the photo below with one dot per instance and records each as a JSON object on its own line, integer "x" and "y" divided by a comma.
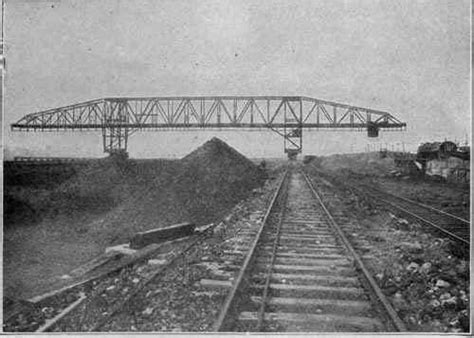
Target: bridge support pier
{"x": 114, "y": 133}
{"x": 292, "y": 129}
{"x": 115, "y": 140}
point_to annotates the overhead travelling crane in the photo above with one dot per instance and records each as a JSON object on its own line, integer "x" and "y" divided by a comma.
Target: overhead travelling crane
{"x": 288, "y": 116}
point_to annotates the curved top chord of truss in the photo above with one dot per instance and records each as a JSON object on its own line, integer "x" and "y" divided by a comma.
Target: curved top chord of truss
{"x": 141, "y": 113}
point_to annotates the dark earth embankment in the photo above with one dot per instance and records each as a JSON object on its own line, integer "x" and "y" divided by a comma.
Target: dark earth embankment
{"x": 46, "y": 191}
{"x": 72, "y": 216}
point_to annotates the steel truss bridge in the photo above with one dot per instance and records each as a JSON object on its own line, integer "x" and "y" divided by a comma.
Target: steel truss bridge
{"x": 288, "y": 116}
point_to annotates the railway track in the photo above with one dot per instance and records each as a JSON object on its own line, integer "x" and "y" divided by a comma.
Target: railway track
{"x": 92, "y": 304}
{"x": 302, "y": 274}
{"x": 454, "y": 227}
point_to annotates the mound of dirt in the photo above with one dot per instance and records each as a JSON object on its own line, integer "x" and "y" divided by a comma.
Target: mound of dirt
{"x": 220, "y": 175}
{"x": 204, "y": 186}
{"x": 96, "y": 187}
{"x": 108, "y": 201}
{"x": 39, "y": 175}
{"x": 17, "y": 211}
{"x": 100, "y": 187}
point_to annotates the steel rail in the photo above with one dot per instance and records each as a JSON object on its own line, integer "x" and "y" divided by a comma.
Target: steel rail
{"x": 424, "y": 220}
{"x": 145, "y": 282}
{"x": 411, "y": 213}
{"x": 219, "y": 324}
{"x": 395, "y": 320}
{"x": 120, "y": 305}
{"x": 261, "y": 312}
{"x": 422, "y": 205}
{"x": 463, "y": 241}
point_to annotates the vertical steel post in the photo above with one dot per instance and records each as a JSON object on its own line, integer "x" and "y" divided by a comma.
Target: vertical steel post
{"x": 115, "y": 134}
{"x": 292, "y": 128}
{"x": 268, "y": 111}
{"x": 235, "y": 111}
{"x": 251, "y": 111}
{"x": 300, "y": 125}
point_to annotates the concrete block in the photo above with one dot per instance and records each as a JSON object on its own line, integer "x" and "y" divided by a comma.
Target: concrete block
{"x": 142, "y": 239}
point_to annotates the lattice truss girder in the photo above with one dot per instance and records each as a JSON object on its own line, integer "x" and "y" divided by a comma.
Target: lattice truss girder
{"x": 119, "y": 117}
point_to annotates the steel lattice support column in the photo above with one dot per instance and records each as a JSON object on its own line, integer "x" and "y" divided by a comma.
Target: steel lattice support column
{"x": 115, "y": 135}
{"x": 293, "y": 131}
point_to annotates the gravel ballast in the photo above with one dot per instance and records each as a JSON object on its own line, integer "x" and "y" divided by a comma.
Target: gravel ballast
{"x": 427, "y": 284}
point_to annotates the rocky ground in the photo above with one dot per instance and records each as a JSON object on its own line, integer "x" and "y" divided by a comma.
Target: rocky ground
{"x": 427, "y": 284}
{"x": 421, "y": 275}
{"x": 174, "y": 300}
{"x": 454, "y": 199}
{"x": 177, "y": 302}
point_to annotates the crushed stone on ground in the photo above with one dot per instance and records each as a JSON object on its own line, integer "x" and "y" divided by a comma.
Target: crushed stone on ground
{"x": 427, "y": 284}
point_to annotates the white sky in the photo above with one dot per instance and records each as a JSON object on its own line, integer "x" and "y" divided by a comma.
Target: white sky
{"x": 411, "y": 58}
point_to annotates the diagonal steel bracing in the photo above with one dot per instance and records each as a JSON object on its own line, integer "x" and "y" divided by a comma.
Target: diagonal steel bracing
{"x": 118, "y": 118}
